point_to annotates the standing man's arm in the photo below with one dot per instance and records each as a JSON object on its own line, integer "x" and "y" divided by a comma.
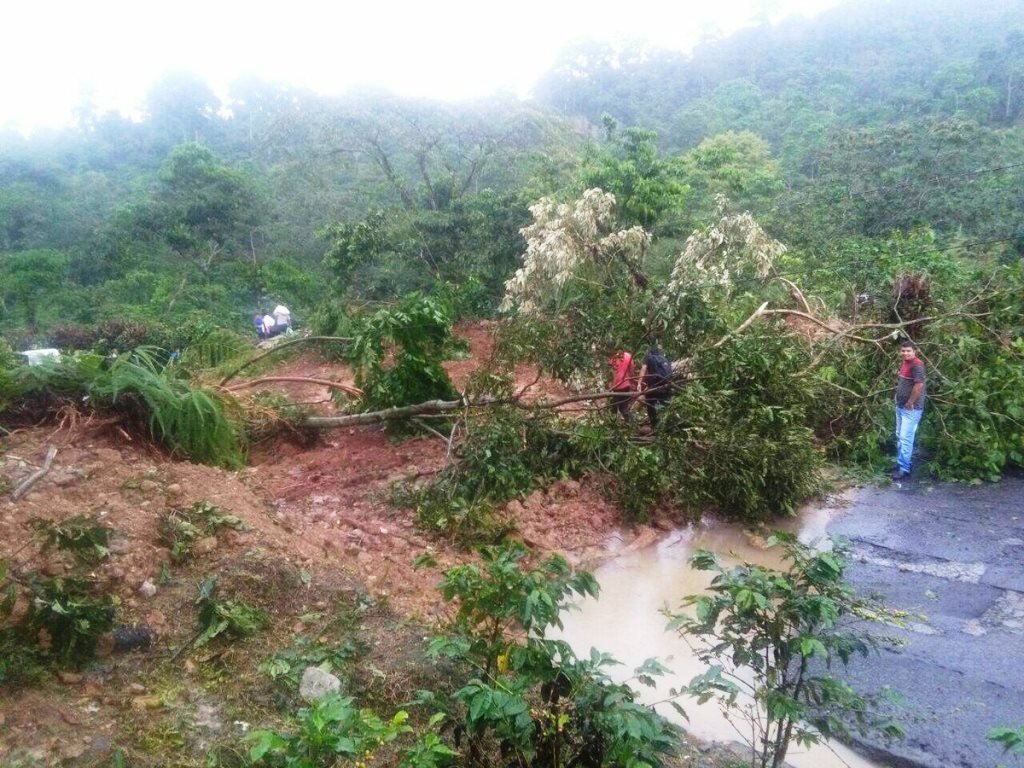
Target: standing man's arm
{"x": 915, "y": 393}
{"x": 643, "y": 378}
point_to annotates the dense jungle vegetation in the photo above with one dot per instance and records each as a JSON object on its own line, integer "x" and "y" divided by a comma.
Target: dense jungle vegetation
{"x": 860, "y": 172}
{"x": 775, "y": 210}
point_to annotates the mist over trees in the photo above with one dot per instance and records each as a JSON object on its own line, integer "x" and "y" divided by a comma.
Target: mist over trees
{"x": 870, "y": 119}
{"x": 880, "y": 144}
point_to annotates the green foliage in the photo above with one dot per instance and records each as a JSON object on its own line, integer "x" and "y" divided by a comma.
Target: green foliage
{"x": 529, "y": 698}
{"x": 332, "y": 732}
{"x": 225, "y": 617}
{"x": 772, "y": 638}
{"x": 191, "y": 421}
{"x": 506, "y": 454}
{"x": 180, "y": 529}
{"x": 64, "y": 617}
{"x": 27, "y": 277}
{"x": 749, "y": 450}
{"x": 216, "y": 350}
{"x": 288, "y": 665}
{"x": 82, "y": 535}
{"x": 73, "y": 614}
{"x": 1011, "y": 739}
{"x": 332, "y": 643}
{"x": 645, "y": 186}
{"x": 20, "y": 659}
{"x": 397, "y": 353}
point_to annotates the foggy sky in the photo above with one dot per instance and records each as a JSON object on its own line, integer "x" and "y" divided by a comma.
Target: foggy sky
{"x": 112, "y": 50}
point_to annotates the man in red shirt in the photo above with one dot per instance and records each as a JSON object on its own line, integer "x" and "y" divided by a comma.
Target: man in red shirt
{"x": 623, "y": 379}
{"x": 910, "y": 393}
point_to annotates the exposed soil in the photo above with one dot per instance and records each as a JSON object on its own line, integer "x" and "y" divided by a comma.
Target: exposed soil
{"x": 322, "y": 539}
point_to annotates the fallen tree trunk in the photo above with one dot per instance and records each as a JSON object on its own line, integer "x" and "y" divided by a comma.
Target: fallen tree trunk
{"x": 433, "y": 407}
{"x": 392, "y": 414}
{"x": 346, "y": 388}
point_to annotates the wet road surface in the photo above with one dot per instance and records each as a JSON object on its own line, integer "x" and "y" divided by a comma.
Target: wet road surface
{"x": 954, "y": 554}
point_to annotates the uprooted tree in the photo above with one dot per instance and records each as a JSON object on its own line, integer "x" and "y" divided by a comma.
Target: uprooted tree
{"x": 781, "y": 357}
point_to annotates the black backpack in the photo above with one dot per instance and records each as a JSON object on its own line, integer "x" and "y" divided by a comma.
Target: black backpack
{"x": 659, "y": 370}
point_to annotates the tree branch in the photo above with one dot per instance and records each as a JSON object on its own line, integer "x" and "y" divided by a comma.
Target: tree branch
{"x": 348, "y": 389}
{"x": 278, "y": 348}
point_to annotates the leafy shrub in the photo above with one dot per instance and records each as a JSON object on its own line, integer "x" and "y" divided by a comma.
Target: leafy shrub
{"x": 194, "y": 422}
{"x": 217, "y": 348}
{"x": 332, "y": 732}
{"x": 773, "y": 636}
{"x": 118, "y": 336}
{"x": 65, "y": 616}
{"x": 530, "y": 699}
{"x": 397, "y": 353}
{"x": 225, "y": 618}
{"x": 197, "y": 423}
{"x": 181, "y": 528}
{"x": 639, "y": 478}
{"x": 82, "y": 535}
{"x": 73, "y": 613}
{"x": 506, "y": 454}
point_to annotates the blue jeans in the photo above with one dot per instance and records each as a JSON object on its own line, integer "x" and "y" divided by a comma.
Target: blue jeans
{"x": 906, "y": 429}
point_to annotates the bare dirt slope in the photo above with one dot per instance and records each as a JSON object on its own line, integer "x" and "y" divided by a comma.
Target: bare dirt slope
{"x": 320, "y": 531}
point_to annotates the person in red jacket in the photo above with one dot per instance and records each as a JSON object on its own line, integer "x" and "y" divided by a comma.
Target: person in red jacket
{"x": 623, "y": 381}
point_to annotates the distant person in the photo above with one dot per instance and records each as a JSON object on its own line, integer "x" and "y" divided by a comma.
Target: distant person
{"x": 910, "y": 394}
{"x": 282, "y": 318}
{"x": 257, "y": 321}
{"x": 622, "y": 383}
{"x": 268, "y": 326}
{"x": 655, "y": 383}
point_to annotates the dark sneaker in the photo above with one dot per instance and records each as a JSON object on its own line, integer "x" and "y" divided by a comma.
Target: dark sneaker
{"x": 900, "y": 474}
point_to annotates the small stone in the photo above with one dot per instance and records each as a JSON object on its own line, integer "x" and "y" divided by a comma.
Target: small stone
{"x": 136, "y": 688}
{"x": 174, "y": 489}
{"x": 119, "y": 546}
{"x": 142, "y": 703}
{"x": 316, "y": 683}
{"x": 100, "y": 748}
{"x": 69, "y": 678}
{"x": 205, "y": 545}
{"x": 147, "y": 588}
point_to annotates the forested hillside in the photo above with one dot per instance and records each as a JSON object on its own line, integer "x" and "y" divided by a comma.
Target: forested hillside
{"x": 867, "y": 164}
{"x": 883, "y": 115}
{"x": 668, "y": 285}
{"x": 874, "y": 117}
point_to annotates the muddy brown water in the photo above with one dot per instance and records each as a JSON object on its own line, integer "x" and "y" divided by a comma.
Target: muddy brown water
{"x": 626, "y": 621}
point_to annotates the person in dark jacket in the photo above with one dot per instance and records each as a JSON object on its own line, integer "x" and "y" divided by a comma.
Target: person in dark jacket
{"x": 655, "y": 383}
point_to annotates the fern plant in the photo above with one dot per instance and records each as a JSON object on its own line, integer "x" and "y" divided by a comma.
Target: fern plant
{"x": 194, "y": 422}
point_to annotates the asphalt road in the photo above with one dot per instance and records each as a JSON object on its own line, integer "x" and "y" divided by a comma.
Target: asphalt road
{"x": 956, "y": 555}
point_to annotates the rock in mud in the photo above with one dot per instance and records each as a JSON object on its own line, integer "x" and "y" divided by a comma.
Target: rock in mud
{"x": 316, "y": 683}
